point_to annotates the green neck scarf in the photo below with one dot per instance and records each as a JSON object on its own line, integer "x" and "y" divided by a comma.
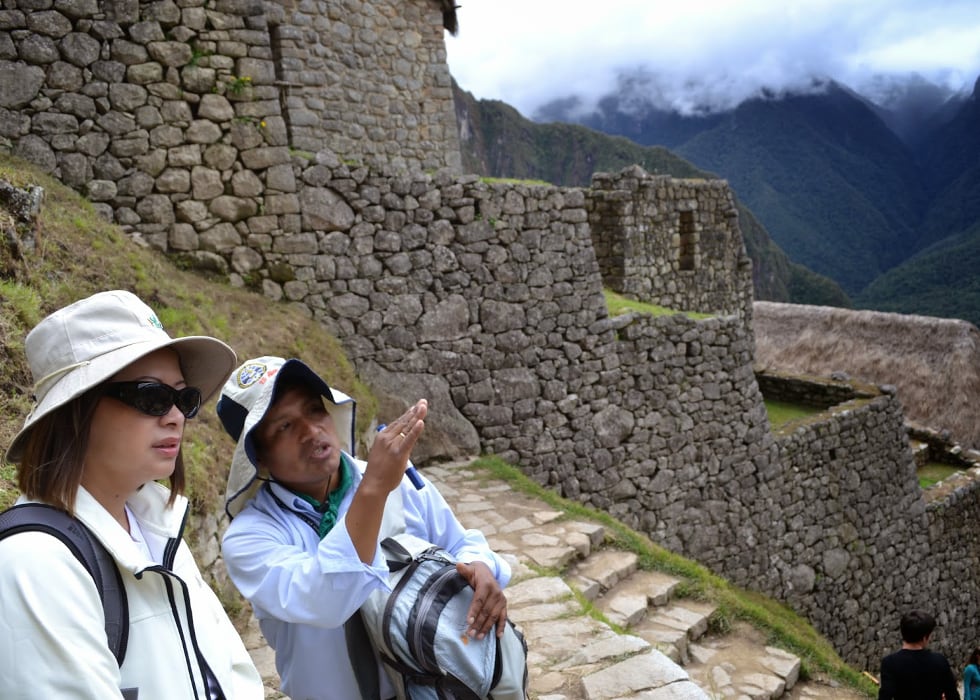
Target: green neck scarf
{"x": 328, "y": 509}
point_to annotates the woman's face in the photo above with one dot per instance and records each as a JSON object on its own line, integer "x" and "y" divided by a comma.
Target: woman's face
{"x": 128, "y": 448}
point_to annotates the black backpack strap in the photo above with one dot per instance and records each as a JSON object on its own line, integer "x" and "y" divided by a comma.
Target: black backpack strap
{"x": 396, "y": 556}
{"x": 362, "y": 659}
{"x": 39, "y": 517}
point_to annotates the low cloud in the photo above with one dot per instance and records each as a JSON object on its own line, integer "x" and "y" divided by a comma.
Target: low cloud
{"x": 709, "y": 55}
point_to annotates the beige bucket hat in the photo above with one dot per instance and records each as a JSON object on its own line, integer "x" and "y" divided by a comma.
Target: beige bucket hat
{"x": 84, "y": 344}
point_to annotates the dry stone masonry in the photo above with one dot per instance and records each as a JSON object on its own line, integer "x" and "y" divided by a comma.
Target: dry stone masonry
{"x": 368, "y": 78}
{"x": 176, "y": 118}
{"x": 307, "y": 151}
{"x": 672, "y": 240}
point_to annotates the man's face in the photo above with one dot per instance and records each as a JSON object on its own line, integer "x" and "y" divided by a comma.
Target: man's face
{"x": 298, "y": 443}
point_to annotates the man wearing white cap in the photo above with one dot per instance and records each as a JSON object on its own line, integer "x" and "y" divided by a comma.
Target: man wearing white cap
{"x": 303, "y": 543}
{"x": 112, "y": 394}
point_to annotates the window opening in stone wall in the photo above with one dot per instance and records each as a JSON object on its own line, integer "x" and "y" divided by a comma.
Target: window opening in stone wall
{"x": 688, "y": 241}
{"x": 275, "y": 46}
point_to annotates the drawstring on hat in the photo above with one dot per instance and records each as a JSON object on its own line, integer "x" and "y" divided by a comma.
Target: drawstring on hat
{"x": 57, "y": 373}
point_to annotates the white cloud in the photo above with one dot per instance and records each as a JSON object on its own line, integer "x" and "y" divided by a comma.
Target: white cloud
{"x": 708, "y": 52}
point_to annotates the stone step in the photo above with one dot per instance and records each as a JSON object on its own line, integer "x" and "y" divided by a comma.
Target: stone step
{"x": 690, "y": 617}
{"x": 741, "y": 664}
{"x": 673, "y": 627}
{"x": 626, "y": 603}
{"x": 647, "y": 675}
{"x": 606, "y": 567}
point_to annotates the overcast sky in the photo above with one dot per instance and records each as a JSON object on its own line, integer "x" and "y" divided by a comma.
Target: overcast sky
{"x": 527, "y": 52}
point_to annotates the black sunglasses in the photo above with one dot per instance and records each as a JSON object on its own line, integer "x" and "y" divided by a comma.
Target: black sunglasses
{"x": 154, "y": 398}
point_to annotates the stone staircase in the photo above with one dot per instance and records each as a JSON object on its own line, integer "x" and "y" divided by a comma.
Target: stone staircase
{"x": 597, "y": 627}
{"x": 644, "y": 604}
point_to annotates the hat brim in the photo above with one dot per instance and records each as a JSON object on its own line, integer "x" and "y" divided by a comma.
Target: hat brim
{"x": 245, "y": 463}
{"x": 204, "y": 361}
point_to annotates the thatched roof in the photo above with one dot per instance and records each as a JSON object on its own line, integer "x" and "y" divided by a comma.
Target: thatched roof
{"x": 933, "y": 362}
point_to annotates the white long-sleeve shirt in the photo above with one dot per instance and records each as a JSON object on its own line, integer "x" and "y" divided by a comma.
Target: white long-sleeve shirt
{"x": 303, "y": 589}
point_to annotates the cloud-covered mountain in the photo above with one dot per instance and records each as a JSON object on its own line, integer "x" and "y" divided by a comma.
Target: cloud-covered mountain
{"x": 853, "y": 185}
{"x": 497, "y": 141}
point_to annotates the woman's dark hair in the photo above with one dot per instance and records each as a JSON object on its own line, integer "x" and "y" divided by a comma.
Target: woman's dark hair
{"x": 974, "y": 657}
{"x": 51, "y": 465}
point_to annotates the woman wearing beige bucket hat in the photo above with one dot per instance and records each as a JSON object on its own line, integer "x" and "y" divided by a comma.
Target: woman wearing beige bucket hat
{"x": 112, "y": 394}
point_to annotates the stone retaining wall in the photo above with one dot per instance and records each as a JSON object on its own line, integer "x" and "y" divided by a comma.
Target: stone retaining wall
{"x": 858, "y": 541}
{"x": 175, "y": 117}
{"x": 808, "y": 391}
{"x": 851, "y": 531}
{"x": 953, "y": 511}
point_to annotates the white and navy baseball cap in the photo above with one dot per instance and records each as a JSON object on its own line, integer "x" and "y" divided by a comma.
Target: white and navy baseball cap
{"x": 246, "y": 397}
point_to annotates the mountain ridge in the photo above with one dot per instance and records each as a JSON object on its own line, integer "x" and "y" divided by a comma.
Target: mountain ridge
{"x": 849, "y": 188}
{"x": 497, "y": 141}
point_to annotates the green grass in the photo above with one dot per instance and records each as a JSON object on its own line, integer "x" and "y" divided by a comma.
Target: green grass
{"x": 934, "y": 472}
{"x": 618, "y": 305}
{"x": 513, "y": 181}
{"x": 784, "y": 628}
{"x": 782, "y": 412}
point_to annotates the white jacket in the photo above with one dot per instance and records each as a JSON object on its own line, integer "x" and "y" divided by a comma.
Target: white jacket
{"x": 52, "y": 627}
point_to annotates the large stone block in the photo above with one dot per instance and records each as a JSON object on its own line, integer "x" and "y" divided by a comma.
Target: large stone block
{"x": 19, "y": 83}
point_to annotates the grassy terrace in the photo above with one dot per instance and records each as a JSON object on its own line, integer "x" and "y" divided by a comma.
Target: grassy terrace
{"x": 618, "y": 304}
{"x": 781, "y": 412}
{"x": 933, "y": 472}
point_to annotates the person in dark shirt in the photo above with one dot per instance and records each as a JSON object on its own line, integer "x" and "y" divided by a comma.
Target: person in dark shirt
{"x": 914, "y": 672}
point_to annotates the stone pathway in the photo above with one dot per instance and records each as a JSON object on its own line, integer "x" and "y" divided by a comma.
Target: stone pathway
{"x": 666, "y": 651}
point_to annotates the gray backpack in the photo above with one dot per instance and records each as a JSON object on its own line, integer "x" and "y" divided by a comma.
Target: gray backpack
{"x": 419, "y": 629}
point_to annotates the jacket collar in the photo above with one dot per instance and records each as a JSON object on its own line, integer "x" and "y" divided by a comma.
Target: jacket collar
{"x": 159, "y": 523}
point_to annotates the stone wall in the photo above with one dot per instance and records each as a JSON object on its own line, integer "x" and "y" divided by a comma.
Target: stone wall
{"x": 175, "y": 117}
{"x": 857, "y": 540}
{"x": 487, "y": 299}
{"x": 673, "y": 240}
{"x": 808, "y": 391}
{"x": 851, "y": 536}
{"x": 953, "y": 510}
{"x": 368, "y": 78}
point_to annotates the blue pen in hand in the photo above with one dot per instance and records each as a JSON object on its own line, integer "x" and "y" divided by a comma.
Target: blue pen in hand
{"x": 413, "y": 475}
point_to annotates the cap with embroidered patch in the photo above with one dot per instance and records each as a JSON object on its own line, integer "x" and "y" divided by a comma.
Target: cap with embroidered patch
{"x": 245, "y": 398}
